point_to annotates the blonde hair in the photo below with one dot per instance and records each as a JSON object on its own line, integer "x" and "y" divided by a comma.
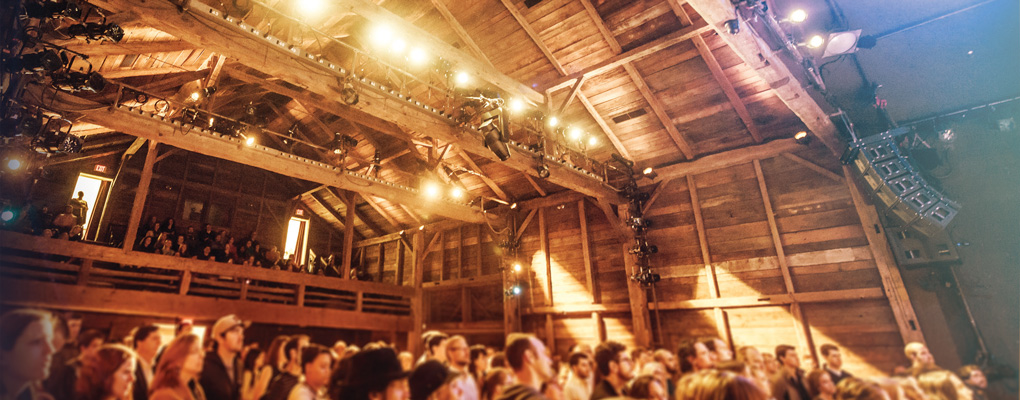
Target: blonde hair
{"x": 718, "y": 385}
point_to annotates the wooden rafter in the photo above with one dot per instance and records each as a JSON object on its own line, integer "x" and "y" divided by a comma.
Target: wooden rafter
{"x": 718, "y": 74}
{"x": 485, "y": 178}
{"x": 461, "y": 32}
{"x": 386, "y": 215}
{"x": 107, "y": 48}
{"x": 332, "y": 211}
{"x": 727, "y": 158}
{"x": 352, "y": 201}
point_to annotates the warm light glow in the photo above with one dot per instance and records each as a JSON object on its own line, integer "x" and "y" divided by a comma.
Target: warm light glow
{"x": 516, "y": 105}
{"x": 431, "y": 190}
{"x": 7, "y": 216}
{"x": 462, "y": 78}
{"x": 457, "y": 193}
{"x": 398, "y": 45}
{"x": 311, "y": 7}
{"x": 417, "y": 56}
{"x": 517, "y": 267}
{"x": 250, "y": 141}
{"x": 14, "y": 164}
{"x": 647, "y": 171}
{"x": 576, "y": 133}
{"x": 297, "y": 230}
{"x": 90, "y": 185}
{"x": 195, "y": 96}
{"x": 421, "y": 228}
{"x": 800, "y": 135}
{"x": 798, "y": 15}
{"x": 513, "y": 206}
{"x": 381, "y": 35}
{"x": 516, "y": 290}
{"x": 592, "y": 141}
{"x": 553, "y": 121}
{"x": 816, "y": 41}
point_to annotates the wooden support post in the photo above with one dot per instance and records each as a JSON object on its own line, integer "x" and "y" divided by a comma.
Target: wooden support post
{"x": 140, "y": 194}
{"x": 550, "y": 334}
{"x": 892, "y": 282}
{"x": 345, "y": 269}
{"x": 84, "y": 272}
{"x": 359, "y": 301}
{"x": 299, "y": 296}
{"x": 589, "y": 267}
{"x": 400, "y": 263}
{"x": 640, "y": 319}
{"x": 460, "y": 252}
{"x": 721, "y": 324}
{"x": 544, "y": 241}
{"x": 381, "y": 262}
{"x": 465, "y": 305}
{"x": 185, "y": 283}
{"x": 244, "y": 289}
{"x": 442, "y": 255}
{"x": 478, "y": 254}
{"x": 417, "y": 302}
{"x": 600, "y": 330}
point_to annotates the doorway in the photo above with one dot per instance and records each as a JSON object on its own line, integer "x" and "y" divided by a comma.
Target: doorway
{"x": 297, "y": 240}
{"x": 94, "y": 189}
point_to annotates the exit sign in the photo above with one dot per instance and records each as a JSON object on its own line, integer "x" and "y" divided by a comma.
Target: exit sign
{"x": 100, "y": 168}
{"x": 299, "y": 212}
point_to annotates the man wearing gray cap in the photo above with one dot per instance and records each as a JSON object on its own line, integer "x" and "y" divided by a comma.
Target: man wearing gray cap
{"x": 221, "y": 373}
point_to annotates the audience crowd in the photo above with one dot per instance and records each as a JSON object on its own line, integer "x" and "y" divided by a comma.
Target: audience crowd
{"x": 48, "y": 356}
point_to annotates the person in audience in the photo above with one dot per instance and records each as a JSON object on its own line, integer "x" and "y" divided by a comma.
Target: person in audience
{"x": 552, "y": 390}
{"x": 479, "y": 362}
{"x": 206, "y": 235}
{"x": 62, "y": 383}
{"x": 316, "y": 361}
{"x": 771, "y": 363}
{"x": 788, "y": 384}
{"x": 851, "y": 388}
{"x": 221, "y": 371}
{"x": 833, "y": 362}
{"x": 672, "y": 366}
{"x": 641, "y": 356}
{"x": 257, "y": 375}
{"x": 205, "y": 255}
{"x": 974, "y": 377}
{"x": 577, "y": 387}
{"x": 170, "y": 226}
{"x": 275, "y": 357}
{"x": 910, "y": 389}
{"x": 820, "y": 384}
{"x": 495, "y": 382}
{"x": 145, "y": 245}
{"x": 272, "y": 256}
{"x": 458, "y": 356}
{"x": 435, "y": 344}
{"x": 65, "y": 220}
{"x": 755, "y": 362}
{"x": 694, "y": 356}
{"x": 107, "y": 374}
{"x": 178, "y": 370}
{"x": 712, "y": 384}
{"x": 407, "y": 361}
{"x": 69, "y": 350}
{"x": 290, "y": 373}
{"x": 921, "y": 360}
{"x": 718, "y": 350}
{"x": 659, "y": 372}
{"x": 26, "y": 349}
{"x": 146, "y": 342}
{"x": 615, "y": 367}
{"x": 375, "y": 375}
{"x": 530, "y": 362}
{"x": 167, "y": 248}
{"x": 433, "y": 381}
{"x": 647, "y": 387}
{"x": 944, "y": 385}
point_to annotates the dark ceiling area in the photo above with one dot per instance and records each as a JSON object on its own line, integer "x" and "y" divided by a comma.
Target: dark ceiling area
{"x": 932, "y": 57}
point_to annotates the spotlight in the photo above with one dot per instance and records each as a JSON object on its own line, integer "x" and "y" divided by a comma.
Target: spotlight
{"x": 576, "y": 133}
{"x": 20, "y": 122}
{"x": 14, "y": 164}
{"x": 250, "y": 141}
{"x": 798, "y": 16}
{"x": 513, "y": 206}
{"x": 638, "y": 223}
{"x": 195, "y": 96}
{"x": 74, "y": 81}
{"x": 46, "y": 60}
{"x": 494, "y": 143}
{"x": 592, "y": 141}
{"x": 398, "y": 45}
{"x": 42, "y": 9}
{"x": 381, "y": 35}
{"x": 311, "y": 7}
{"x": 648, "y": 171}
{"x": 553, "y": 121}
{"x": 457, "y": 193}
{"x": 815, "y": 41}
{"x": 431, "y": 190}
{"x": 421, "y": 228}
{"x": 543, "y": 171}
{"x": 6, "y": 216}
{"x": 515, "y": 290}
{"x": 516, "y": 105}
{"x": 461, "y": 78}
{"x": 802, "y": 138}
{"x": 97, "y": 31}
{"x": 417, "y": 56}
{"x": 732, "y": 26}
{"x": 341, "y": 143}
{"x": 348, "y": 94}
{"x": 517, "y": 267}
{"x": 841, "y": 43}
{"x": 646, "y": 277}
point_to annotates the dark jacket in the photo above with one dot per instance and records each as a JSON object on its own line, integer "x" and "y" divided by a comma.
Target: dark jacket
{"x": 521, "y": 392}
{"x": 140, "y": 389}
{"x": 281, "y": 385}
{"x": 786, "y": 386}
{"x": 215, "y": 380}
{"x": 604, "y": 390}
{"x": 836, "y": 377}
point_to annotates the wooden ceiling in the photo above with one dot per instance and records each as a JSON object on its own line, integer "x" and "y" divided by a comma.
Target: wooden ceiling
{"x": 650, "y": 80}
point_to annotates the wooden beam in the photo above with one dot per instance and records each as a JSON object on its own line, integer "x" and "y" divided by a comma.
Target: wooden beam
{"x": 655, "y": 195}
{"x": 553, "y": 200}
{"x": 814, "y": 167}
{"x": 33, "y": 294}
{"x": 574, "y": 90}
{"x": 345, "y": 270}
{"x": 613, "y": 138}
{"x": 153, "y": 127}
{"x": 417, "y": 302}
{"x": 589, "y": 266}
{"x": 56, "y": 161}
{"x": 773, "y": 228}
{"x": 699, "y": 223}
{"x": 485, "y": 178}
{"x": 106, "y": 48}
{"x": 132, "y": 73}
{"x": 332, "y": 211}
{"x": 892, "y": 282}
{"x": 535, "y": 185}
{"x": 543, "y": 239}
{"x": 638, "y": 53}
{"x": 527, "y": 221}
{"x": 141, "y": 192}
{"x": 725, "y": 159}
{"x": 386, "y": 215}
{"x": 353, "y": 203}
{"x": 618, "y": 224}
{"x": 462, "y": 33}
{"x": 772, "y": 69}
{"x": 660, "y": 111}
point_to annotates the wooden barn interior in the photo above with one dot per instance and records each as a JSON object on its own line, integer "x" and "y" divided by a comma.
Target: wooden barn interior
{"x": 584, "y": 170}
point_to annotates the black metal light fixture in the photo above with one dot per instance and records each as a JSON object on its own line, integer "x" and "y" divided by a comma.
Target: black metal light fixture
{"x": 94, "y": 31}
{"x": 348, "y": 94}
{"x": 341, "y": 144}
{"x": 43, "y": 9}
{"x": 48, "y": 60}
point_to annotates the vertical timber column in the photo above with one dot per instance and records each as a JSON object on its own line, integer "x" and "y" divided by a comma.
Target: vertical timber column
{"x": 345, "y": 270}
{"x": 640, "y": 319}
{"x": 550, "y": 334}
{"x": 721, "y": 324}
{"x": 140, "y": 194}
{"x": 417, "y": 301}
{"x": 589, "y": 267}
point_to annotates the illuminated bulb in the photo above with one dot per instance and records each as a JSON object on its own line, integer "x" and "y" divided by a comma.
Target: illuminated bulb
{"x": 311, "y": 7}
{"x": 381, "y": 35}
{"x": 250, "y": 141}
{"x": 798, "y": 15}
{"x": 516, "y": 290}
{"x": 462, "y": 78}
{"x": 517, "y": 267}
{"x": 13, "y": 164}
{"x": 195, "y": 96}
{"x": 457, "y": 193}
{"x": 575, "y": 133}
{"x": 800, "y": 135}
{"x": 7, "y": 216}
{"x": 516, "y": 105}
{"x": 647, "y": 171}
{"x": 431, "y": 190}
{"x": 417, "y": 56}
{"x": 553, "y": 121}
{"x": 816, "y": 41}
{"x": 398, "y": 45}
{"x": 592, "y": 141}
{"x": 513, "y": 206}
{"x": 421, "y": 228}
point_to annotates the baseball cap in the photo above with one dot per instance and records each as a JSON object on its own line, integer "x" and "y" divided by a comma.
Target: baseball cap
{"x": 225, "y": 324}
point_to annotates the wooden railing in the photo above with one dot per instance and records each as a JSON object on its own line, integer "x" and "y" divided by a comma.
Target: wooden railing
{"x": 36, "y": 271}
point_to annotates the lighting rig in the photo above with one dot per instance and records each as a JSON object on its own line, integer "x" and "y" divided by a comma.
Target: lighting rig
{"x": 636, "y": 220}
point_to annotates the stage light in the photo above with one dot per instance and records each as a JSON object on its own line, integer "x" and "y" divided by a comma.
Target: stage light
{"x": 576, "y": 133}
{"x": 514, "y": 290}
{"x": 840, "y": 43}
{"x": 553, "y": 121}
{"x": 457, "y": 193}
{"x": 7, "y": 215}
{"x": 349, "y": 95}
{"x": 815, "y": 41}
{"x": 51, "y": 9}
{"x": 431, "y": 190}
{"x": 195, "y": 96}
{"x": 462, "y": 78}
{"x": 802, "y": 138}
{"x": 517, "y": 267}
{"x": 381, "y": 35}
{"x": 46, "y": 60}
{"x": 14, "y": 164}
{"x": 75, "y": 81}
{"x": 341, "y": 144}
{"x": 648, "y": 171}
{"x": 398, "y": 45}
{"x": 311, "y": 7}
{"x": 798, "y": 16}
{"x": 516, "y": 105}
{"x": 250, "y": 141}
{"x": 513, "y": 206}
{"x": 732, "y": 26}
{"x": 543, "y": 171}
{"x": 421, "y": 228}
{"x": 592, "y": 141}
{"x": 93, "y": 31}
{"x": 417, "y": 56}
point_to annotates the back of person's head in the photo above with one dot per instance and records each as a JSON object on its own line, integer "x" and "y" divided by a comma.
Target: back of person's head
{"x": 636, "y": 353}
{"x": 88, "y": 336}
{"x": 718, "y": 385}
{"x": 686, "y": 350}
{"x": 640, "y": 387}
{"x": 251, "y": 358}
{"x": 516, "y": 345}
{"x": 852, "y": 388}
{"x": 97, "y": 372}
{"x": 576, "y": 358}
{"x": 14, "y": 323}
{"x": 828, "y": 348}
{"x": 142, "y": 332}
{"x": 311, "y": 352}
{"x": 912, "y": 349}
{"x": 498, "y": 360}
{"x": 292, "y": 350}
{"x": 965, "y": 371}
{"x": 606, "y": 353}
{"x": 812, "y": 381}
{"x": 435, "y": 339}
{"x": 940, "y": 385}
{"x": 274, "y": 354}
{"x": 168, "y": 371}
{"x": 782, "y": 349}
{"x": 494, "y": 382}
{"x": 476, "y": 351}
